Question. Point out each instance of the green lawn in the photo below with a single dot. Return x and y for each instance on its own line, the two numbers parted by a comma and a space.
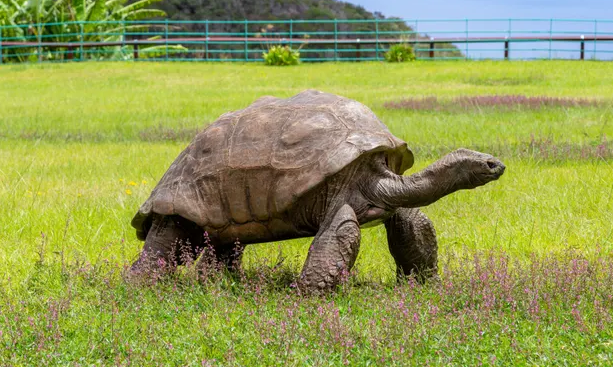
525, 261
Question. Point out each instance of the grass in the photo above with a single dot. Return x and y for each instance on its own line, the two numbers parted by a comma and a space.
525, 261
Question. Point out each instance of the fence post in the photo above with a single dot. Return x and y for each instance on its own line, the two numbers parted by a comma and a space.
166, 36
416, 30
506, 48
123, 34
335, 39
377, 37
507, 41
582, 48
81, 41
246, 35
1, 55
291, 31
466, 48
550, 36
135, 51
206, 42
595, 37
432, 48
40, 46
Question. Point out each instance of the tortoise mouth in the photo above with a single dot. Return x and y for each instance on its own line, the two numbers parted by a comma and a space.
496, 167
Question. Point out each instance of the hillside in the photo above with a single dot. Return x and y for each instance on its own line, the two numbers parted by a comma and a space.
264, 9
284, 10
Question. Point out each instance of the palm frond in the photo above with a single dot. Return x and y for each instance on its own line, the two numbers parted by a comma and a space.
145, 14
110, 4
136, 6
96, 11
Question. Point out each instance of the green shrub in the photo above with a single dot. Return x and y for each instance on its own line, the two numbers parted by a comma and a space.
400, 53
281, 56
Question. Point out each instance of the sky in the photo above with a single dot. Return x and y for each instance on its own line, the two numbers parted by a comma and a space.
454, 9
565, 10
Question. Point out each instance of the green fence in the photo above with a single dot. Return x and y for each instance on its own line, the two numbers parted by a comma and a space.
318, 40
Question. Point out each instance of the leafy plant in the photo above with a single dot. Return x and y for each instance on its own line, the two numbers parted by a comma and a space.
281, 56
68, 21
400, 53
278, 55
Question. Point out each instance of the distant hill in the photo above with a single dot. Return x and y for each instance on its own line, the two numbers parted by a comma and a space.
285, 10
264, 9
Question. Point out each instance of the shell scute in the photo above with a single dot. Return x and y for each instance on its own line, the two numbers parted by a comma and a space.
254, 136
306, 138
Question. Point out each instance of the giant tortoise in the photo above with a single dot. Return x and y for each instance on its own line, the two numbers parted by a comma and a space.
315, 164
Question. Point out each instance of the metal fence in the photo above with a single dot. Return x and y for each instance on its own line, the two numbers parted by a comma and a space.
318, 40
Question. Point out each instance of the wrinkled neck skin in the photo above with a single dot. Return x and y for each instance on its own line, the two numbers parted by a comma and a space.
420, 189
373, 191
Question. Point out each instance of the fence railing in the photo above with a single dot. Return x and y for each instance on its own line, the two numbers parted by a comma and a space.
319, 40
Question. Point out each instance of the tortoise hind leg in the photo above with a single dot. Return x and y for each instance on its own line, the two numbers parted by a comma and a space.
412, 241
172, 240
231, 256
226, 257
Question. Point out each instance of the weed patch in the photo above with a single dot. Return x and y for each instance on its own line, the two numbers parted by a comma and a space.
484, 301
489, 80
463, 103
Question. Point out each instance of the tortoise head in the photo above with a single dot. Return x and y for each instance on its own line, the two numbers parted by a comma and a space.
471, 169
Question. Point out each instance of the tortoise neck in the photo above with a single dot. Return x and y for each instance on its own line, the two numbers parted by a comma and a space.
420, 189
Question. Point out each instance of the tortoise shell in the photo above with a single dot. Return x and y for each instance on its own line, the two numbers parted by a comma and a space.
254, 163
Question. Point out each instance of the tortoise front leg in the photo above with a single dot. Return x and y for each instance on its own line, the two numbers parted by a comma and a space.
412, 241
333, 250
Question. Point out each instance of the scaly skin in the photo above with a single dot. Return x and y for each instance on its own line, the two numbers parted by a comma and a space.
315, 164
365, 192
393, 199
333, 251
